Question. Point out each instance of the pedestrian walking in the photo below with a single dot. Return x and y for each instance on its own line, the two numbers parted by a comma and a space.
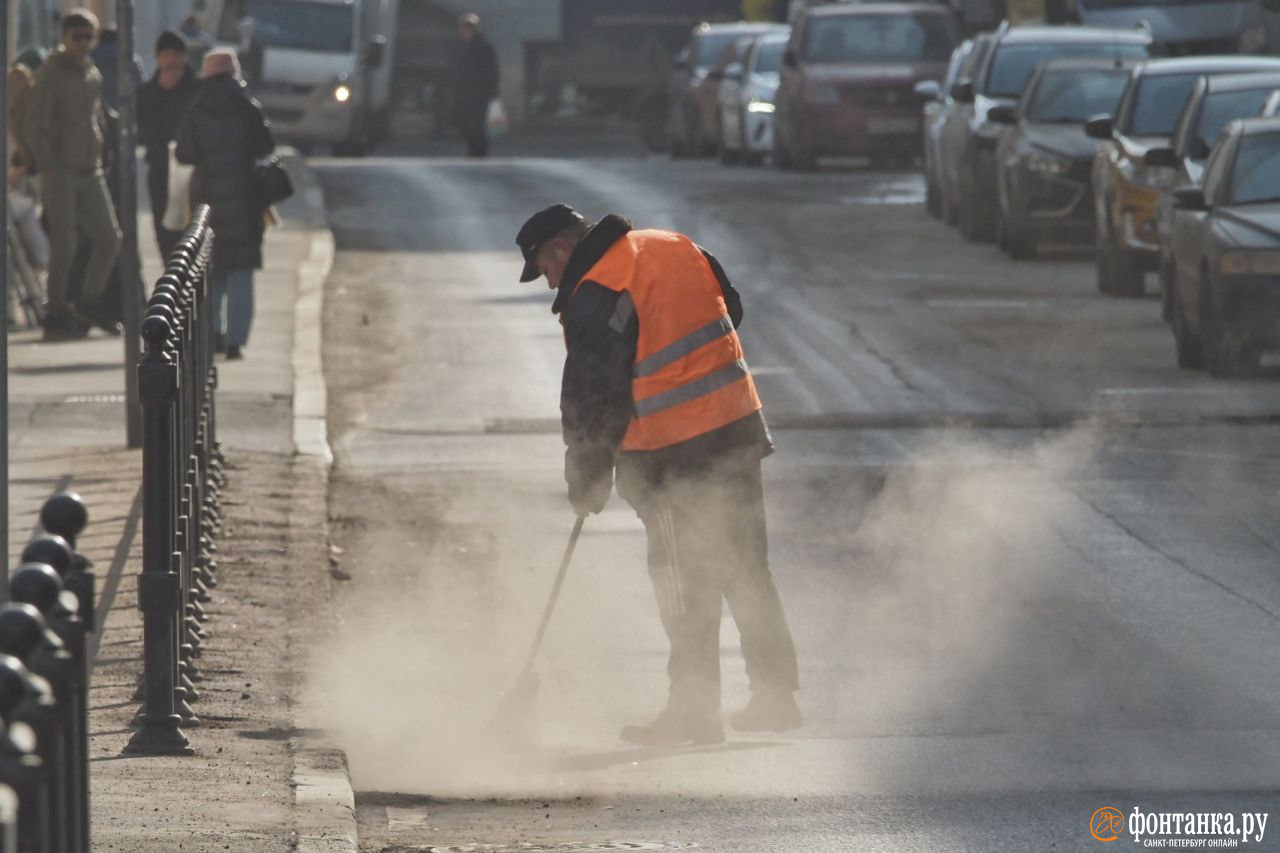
106, 56
199, 41
475, 84
222, 135
64, 127
656, 388
162, 101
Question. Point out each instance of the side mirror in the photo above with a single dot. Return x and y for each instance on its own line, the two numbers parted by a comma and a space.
1003, 114
1165, 158
962, 91
375, 52
928, 90
789, 58
1099, 127
1190, 198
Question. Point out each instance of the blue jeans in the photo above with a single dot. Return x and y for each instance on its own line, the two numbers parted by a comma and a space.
235, 288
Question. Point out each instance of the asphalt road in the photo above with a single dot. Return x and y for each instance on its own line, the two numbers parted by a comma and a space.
1031, 566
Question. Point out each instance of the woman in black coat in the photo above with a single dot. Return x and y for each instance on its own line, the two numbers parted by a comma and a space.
222, 135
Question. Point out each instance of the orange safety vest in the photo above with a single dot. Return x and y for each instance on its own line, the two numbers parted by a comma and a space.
689, 376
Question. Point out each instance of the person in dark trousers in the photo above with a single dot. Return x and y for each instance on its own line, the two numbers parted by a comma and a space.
64, 127
656, 388
222, 135
162, 101
475, 84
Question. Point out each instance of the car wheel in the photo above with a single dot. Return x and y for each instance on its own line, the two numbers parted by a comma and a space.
1019, 242
975, 220
932, 198
727, 157
1187, 344
781, 153
1226, 354
1124, 272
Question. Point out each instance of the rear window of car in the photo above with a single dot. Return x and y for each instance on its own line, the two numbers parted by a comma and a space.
1076, 94
769, 56
1222, 107
1012, 64
710, 46
1158, 104
880, 38
1256, 176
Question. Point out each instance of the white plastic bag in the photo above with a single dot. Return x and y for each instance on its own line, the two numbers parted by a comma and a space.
177, 212
496, 118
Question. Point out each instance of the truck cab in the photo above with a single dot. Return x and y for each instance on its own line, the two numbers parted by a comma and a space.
326, 70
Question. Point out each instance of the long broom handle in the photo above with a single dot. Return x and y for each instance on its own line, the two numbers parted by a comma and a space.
555, 593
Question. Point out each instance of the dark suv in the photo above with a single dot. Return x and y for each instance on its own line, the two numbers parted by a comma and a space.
1014, 54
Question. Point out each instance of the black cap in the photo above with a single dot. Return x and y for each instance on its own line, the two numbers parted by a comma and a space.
540, 228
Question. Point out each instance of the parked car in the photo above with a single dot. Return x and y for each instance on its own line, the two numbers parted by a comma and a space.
745, 129
694, 81
955, 127
1125, 189
1015, 52
1043, 162
938, 104
1214, 102
848, 79
1226, 241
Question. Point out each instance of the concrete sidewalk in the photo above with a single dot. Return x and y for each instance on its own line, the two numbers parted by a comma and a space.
256, 781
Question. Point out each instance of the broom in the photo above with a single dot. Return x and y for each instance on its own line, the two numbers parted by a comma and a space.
514, 719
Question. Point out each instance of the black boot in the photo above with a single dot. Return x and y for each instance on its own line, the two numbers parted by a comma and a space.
676, 728
770, 710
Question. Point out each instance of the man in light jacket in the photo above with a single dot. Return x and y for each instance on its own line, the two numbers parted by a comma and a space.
64, 130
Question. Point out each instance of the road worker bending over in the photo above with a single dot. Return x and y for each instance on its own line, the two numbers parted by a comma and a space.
655, 385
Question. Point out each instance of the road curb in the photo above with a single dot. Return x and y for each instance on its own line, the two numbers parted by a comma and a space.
324, 801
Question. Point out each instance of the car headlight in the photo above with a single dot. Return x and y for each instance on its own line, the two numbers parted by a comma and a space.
1045, 163
822, 93
757, 106
1250, 263
342, 93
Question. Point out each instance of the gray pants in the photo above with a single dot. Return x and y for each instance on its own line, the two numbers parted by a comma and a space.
76, 204
707, 544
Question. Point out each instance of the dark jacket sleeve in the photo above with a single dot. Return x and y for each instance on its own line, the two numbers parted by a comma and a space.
731, 298
595, 394
187, 149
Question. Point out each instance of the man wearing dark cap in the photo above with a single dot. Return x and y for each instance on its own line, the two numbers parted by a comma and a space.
161, 102
656, 388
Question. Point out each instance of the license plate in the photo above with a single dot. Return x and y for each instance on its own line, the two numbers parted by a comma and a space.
893, 125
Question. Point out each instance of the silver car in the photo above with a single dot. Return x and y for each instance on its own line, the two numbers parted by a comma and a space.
745, 128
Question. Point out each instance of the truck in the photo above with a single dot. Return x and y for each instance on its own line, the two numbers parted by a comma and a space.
617, 54
326, 69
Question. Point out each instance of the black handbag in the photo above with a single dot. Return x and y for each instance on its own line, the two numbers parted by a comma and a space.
274, 183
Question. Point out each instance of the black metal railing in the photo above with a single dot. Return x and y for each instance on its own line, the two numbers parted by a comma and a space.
44, 690
181, 478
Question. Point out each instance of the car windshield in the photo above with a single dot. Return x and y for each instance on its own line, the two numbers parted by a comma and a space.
1256, 176
769, 56
1159, 102
1012, 64
711, 45
1223, 107
1072, 95
322, 27
880, 38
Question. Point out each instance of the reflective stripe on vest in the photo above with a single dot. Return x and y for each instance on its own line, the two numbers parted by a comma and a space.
689, 377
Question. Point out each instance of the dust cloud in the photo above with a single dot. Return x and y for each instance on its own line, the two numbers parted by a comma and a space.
921, 607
